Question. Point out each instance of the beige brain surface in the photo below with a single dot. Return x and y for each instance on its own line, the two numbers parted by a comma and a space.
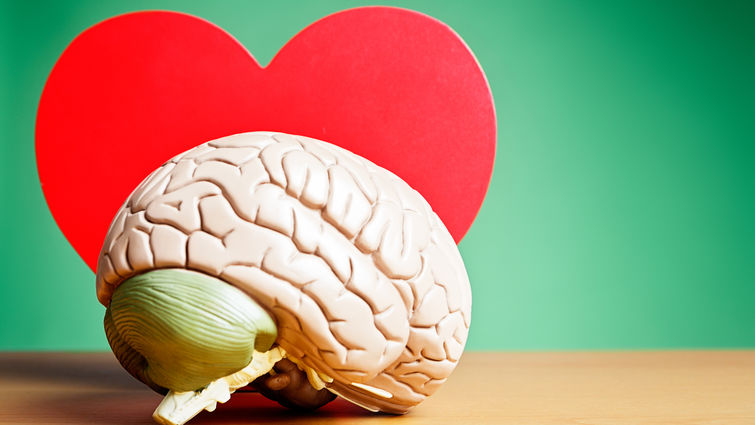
364, 281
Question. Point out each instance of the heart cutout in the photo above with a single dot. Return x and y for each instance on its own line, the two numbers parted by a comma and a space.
395, 86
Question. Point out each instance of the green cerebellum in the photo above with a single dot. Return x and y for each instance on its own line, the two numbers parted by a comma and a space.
180, 330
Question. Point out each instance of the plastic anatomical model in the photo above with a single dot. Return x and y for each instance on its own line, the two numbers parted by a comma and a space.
284, 263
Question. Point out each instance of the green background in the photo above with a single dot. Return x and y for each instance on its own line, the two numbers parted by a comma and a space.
621, 211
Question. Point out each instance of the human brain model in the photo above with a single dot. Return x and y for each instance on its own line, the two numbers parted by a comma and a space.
288, 263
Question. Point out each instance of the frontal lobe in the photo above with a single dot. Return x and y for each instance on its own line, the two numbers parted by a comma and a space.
365, 283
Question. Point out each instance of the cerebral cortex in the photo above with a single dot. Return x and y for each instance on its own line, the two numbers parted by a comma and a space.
366, 285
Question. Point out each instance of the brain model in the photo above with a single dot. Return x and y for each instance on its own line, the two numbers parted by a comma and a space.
286, 263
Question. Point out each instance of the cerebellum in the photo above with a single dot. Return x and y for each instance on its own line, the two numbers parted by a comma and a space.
185, 329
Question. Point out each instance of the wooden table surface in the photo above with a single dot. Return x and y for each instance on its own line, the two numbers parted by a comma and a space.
611, 388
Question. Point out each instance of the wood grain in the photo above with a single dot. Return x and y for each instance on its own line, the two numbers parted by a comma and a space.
607, 388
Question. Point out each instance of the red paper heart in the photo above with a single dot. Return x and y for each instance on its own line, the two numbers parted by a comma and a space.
395, 86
